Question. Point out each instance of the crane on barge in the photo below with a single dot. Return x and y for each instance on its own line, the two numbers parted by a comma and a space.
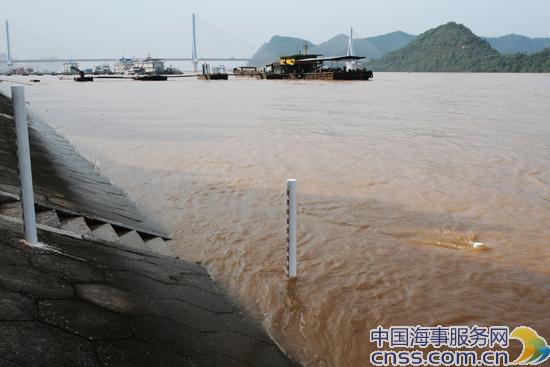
82, 76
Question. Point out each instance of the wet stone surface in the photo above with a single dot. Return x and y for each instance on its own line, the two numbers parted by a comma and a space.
34, 282
31, 343
83, 318
112, 298
90, 304
67, 267
15, 306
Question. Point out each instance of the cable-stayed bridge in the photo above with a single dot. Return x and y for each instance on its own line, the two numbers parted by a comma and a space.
106, 59
194, 58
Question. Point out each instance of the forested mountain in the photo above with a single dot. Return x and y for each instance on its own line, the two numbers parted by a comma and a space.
515, 43
455, 48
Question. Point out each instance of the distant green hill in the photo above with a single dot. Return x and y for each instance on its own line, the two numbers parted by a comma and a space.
454, 48
278, 46
391, 41
515, 43
523, 63
337, 45
451, 47
371, 47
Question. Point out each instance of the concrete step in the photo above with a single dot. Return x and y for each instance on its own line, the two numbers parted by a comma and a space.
76, 225
133, 240
11, 209
95, 230
158, 246
48, 217
106, 232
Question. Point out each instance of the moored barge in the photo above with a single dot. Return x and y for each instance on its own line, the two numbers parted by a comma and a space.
81, 77
213, 77
316, 67
217, 74
248, 72
150, 77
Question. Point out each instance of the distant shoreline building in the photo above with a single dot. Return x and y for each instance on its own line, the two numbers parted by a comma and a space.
104, 69
148, 65
123, 65
68, 67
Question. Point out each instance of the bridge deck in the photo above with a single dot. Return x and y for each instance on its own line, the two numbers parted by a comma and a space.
21, 61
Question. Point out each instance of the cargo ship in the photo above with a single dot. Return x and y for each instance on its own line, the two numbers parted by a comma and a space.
316, 67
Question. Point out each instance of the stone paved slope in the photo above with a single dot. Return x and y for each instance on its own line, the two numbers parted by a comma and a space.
93, 304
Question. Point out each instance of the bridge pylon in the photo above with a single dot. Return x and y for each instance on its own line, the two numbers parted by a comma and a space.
8, 46
194, 47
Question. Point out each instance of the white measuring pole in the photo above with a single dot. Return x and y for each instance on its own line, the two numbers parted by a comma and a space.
24, 158
291, 229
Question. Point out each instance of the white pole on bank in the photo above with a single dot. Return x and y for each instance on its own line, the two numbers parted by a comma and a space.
291, 229
24, 158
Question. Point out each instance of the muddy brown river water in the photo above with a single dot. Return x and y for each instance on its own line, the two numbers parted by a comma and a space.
397, 179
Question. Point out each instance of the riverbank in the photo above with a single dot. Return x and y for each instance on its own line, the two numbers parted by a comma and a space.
88, 304
95, 300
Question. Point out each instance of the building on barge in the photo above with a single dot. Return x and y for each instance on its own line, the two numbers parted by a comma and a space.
148, 66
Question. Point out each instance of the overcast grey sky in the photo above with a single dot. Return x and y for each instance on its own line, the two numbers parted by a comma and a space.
111, 28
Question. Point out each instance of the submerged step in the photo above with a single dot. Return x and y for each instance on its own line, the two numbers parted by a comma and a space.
48, 217
106, 232
76, 225
133, 240
158, 246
